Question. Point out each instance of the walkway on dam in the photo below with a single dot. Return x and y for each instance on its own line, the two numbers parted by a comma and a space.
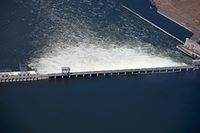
124, 72
65, 73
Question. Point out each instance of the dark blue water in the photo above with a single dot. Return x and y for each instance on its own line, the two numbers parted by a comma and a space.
154, 103
163, 22
167, 103
15, 25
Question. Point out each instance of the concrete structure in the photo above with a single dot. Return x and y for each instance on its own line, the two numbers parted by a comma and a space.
18, 76
66, 74
191, 48
65, 70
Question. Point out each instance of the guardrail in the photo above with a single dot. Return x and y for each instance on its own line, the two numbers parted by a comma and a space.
141, 71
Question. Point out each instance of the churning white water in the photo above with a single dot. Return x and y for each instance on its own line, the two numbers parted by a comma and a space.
92, 57
86, 56
83, 37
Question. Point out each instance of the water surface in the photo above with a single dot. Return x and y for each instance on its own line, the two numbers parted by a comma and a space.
92, 35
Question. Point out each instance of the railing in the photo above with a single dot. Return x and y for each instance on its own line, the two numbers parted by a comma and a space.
140, 71
124, 72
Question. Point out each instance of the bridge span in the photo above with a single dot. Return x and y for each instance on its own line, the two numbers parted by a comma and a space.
6, 77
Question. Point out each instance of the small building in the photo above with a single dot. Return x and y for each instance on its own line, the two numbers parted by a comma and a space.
18, 76
196, 63
191, 48
65, 70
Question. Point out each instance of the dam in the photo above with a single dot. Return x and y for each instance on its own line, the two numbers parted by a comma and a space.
65, 73
20, 76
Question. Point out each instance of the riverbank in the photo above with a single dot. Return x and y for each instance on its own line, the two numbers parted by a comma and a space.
184, 12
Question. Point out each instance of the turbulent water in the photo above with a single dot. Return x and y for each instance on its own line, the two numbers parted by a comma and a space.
90, 35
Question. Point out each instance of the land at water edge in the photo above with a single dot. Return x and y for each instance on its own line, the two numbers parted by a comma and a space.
185, 12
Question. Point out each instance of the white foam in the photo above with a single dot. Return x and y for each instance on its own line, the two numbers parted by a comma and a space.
94, 57
69, 36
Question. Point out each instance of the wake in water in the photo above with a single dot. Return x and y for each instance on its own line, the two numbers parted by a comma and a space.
88, 36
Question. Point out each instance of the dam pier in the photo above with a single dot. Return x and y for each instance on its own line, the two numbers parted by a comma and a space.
22, 76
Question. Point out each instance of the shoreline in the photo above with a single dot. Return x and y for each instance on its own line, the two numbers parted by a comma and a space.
154, 25
187, 23
181, 24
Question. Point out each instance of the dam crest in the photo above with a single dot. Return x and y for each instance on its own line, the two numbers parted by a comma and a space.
19, 76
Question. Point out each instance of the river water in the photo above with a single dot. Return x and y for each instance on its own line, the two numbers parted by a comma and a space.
93, 35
